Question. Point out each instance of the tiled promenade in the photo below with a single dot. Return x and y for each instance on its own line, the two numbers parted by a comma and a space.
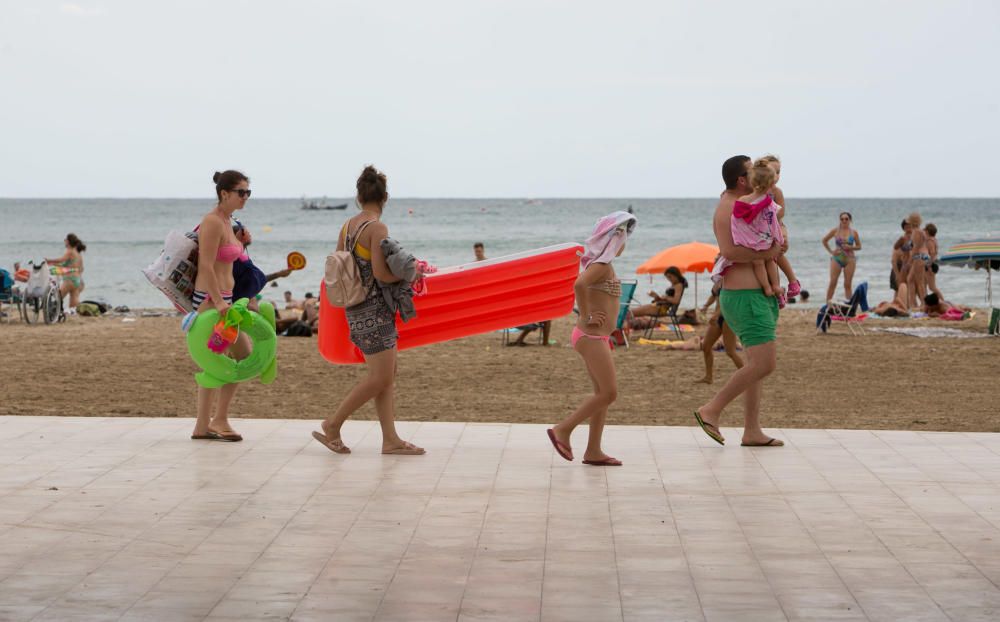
125, 518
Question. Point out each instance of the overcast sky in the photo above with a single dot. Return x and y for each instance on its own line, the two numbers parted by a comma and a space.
499, 98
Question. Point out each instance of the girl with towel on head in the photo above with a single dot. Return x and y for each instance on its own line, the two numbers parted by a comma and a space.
598, 292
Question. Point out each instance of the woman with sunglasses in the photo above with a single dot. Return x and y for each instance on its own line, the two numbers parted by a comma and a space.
218, 248
842, 257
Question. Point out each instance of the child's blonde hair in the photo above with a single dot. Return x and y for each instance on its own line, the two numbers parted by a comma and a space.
769, 158
762, 176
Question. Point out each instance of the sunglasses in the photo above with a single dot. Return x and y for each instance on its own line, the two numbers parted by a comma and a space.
243, 193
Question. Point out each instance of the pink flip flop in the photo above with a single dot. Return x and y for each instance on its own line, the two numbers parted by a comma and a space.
609, 461
561, 449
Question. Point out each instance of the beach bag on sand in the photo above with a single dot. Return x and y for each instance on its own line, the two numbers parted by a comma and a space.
174, 271
341, 278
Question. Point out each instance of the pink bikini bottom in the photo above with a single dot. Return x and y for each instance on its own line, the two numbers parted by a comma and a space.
577, 334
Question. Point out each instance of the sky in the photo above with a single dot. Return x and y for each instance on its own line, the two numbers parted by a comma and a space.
498, 98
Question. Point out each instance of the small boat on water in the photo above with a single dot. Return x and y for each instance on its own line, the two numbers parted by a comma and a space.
309, 204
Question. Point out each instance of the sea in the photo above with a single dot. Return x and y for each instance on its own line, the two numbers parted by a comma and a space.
125, 235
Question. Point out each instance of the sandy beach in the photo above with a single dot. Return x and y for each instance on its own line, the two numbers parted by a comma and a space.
104, 366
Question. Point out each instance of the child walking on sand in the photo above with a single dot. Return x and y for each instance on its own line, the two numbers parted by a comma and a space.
756, 225
597, 295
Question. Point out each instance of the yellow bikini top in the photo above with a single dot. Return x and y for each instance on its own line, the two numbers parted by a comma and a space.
363, 252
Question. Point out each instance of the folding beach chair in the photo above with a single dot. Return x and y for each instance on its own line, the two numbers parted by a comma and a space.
852, 313
506, 332
628, 291
671, 315
6, 295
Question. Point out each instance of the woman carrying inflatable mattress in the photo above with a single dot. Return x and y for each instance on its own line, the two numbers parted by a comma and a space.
218, 248
598, 291
372, 322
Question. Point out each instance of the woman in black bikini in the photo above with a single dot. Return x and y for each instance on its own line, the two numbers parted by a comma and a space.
662, 304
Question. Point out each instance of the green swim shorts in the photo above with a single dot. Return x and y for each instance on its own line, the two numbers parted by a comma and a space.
752, 315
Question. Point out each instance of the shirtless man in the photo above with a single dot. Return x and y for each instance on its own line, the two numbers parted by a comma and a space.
291, 303
752, 316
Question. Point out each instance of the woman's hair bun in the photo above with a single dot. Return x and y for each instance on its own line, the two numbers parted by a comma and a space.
215, 178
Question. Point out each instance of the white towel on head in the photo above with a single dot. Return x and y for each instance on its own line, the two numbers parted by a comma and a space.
609, 236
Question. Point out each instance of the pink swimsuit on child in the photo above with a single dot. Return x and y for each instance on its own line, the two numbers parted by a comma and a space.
754, 226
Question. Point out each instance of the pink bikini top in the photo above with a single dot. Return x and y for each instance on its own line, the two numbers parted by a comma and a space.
228, 253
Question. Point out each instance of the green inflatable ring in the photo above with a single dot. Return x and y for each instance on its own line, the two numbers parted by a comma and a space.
219, 369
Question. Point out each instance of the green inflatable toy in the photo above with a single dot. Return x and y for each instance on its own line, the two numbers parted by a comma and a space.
219, 369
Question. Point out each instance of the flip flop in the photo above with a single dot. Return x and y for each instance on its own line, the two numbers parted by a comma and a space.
211, 436
715, 436
230, 437
609, 461
408, 449
774, 442
337, 447
561, 449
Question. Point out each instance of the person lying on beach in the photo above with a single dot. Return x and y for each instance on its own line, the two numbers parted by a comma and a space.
597, 296
934, 306
897, 306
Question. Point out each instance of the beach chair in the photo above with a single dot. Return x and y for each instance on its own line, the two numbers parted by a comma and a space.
852, 313
628, 292
6, 295
671, 315
505, 333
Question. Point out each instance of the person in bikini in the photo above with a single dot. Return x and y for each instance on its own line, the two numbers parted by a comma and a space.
218, 248
842, 259
661, 305
895, 307
932, 269
920, 262
371, 322
598, 292
70, 268
901, 257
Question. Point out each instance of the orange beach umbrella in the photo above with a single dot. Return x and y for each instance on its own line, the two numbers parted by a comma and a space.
691, 257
